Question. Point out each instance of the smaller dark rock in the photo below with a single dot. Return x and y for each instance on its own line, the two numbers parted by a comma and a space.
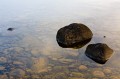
10, 29
104, 36
99, 52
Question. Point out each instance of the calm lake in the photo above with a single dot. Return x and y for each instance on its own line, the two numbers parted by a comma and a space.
30, 51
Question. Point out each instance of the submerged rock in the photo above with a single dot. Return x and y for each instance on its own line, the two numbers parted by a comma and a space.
18, 63
99, 52
3, 60
98, 74
59, 75
39, 65
115, 77
77, 74
94, 78
74, 36
17, 72
2, 68
3, 76
83, 67
75, 78
107, 71
65, 61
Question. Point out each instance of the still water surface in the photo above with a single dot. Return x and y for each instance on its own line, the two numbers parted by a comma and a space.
31, 51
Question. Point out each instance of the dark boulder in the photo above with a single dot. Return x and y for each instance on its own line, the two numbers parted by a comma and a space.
99, 52
74, 36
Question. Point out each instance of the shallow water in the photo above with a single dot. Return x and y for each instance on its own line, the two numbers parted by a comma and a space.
31, 51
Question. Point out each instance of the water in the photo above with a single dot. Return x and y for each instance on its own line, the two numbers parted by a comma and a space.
31, 51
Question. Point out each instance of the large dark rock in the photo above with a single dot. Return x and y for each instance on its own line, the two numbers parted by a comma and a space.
99, 52
74, 36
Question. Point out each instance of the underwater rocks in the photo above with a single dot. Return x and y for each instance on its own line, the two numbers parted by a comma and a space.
17, 72
75, 78
2, 68
99, 52
3, 60
77, 74
39, 65
75, 35
107, 71
83, 67
3, 76
98, 74
65, 61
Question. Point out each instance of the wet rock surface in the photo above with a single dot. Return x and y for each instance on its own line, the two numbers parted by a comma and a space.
99, 52
74, 36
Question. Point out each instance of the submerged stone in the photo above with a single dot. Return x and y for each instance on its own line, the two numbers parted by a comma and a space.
39, 65
17, 72
75, 78
75, 35
65, 61
3, 76
3, 60
98, 74
99, 52
114, 77
107, 71
2, 68
83, 67
77, 74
